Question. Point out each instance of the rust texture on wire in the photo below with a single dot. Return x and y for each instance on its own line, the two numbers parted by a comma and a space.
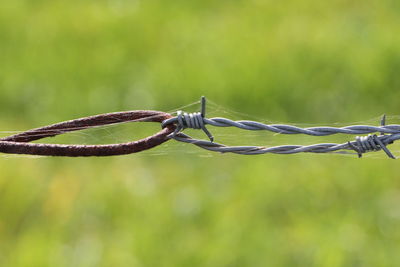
19, 143
172, 128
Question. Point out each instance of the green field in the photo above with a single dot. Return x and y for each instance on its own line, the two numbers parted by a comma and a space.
315, 62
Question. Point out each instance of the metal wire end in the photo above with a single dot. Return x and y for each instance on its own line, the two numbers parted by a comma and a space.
387, 151
193, 120
203, 115
352, 146
384, 148
383, 122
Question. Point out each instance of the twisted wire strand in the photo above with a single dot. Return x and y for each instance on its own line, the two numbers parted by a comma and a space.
361, 145
290, 129
197, 120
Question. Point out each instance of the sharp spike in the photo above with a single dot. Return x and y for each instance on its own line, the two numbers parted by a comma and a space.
383, 120
203, 106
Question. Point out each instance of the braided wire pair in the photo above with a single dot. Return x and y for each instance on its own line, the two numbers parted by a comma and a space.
361, 145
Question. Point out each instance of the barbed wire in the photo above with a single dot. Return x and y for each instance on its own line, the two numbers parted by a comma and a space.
173, 128
363, 144
369, 143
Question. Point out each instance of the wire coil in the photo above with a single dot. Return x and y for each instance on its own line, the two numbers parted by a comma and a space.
364, 144
184, 120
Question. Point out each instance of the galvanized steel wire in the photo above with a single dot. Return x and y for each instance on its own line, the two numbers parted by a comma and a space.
362, 144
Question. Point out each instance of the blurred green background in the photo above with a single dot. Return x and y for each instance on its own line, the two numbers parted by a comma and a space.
291, 61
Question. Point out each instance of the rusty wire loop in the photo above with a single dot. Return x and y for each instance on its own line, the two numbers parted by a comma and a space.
19, 143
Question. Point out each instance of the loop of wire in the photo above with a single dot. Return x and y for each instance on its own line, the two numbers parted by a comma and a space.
19, 143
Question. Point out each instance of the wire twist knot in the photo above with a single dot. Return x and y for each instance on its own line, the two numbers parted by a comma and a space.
195, 120
364, 144
190, 120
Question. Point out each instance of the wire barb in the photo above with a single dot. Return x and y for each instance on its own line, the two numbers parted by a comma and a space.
369, 143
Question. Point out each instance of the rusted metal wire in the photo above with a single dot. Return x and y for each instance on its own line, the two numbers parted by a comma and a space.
18, 144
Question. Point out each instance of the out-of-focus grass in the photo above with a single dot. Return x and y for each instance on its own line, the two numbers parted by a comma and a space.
297, 61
